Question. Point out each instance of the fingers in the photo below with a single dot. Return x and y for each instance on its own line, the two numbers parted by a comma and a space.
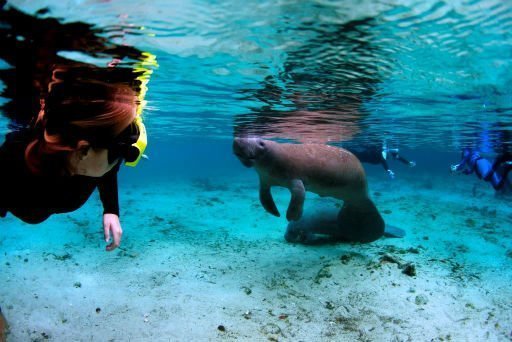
116, 234
106, 232
112, 229
111, 247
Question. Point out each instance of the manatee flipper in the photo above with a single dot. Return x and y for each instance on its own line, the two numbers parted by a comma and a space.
360, 221
266, 199
296, 205
393, 232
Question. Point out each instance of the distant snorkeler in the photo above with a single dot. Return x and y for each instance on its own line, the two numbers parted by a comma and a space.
375, 154
72, 122
495, 173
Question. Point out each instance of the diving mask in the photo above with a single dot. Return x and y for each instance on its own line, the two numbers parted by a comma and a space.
130, 144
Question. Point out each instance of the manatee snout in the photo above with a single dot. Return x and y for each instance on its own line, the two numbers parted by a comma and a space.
248, 150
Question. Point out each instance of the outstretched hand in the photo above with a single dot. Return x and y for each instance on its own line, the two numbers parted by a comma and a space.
112, 228
391, 174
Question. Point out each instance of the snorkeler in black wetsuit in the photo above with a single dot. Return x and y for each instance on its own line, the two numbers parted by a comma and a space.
67, 117
374, 154
34, 198
495, 173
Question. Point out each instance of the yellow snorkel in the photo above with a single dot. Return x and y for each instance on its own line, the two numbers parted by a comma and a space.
140, 145
142, 67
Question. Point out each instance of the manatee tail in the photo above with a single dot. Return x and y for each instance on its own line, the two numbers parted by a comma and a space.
360, 221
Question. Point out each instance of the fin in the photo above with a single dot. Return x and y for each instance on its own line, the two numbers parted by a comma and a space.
360, 222
267, 201
393, 232
296, 205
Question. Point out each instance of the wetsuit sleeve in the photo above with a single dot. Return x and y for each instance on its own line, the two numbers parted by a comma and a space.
400, 158
462, 166
384, 164
465, 165
107, 186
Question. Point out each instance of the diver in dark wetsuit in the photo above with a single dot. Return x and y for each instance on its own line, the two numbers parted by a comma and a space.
72, 123
76, 144
495, 173
34, 197
378, 155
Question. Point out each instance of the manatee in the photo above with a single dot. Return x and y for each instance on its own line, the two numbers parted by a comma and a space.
328, 171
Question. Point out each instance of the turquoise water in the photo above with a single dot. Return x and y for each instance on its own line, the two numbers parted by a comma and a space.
199, 251
431, 74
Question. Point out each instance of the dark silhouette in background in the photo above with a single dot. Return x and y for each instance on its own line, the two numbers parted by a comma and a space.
495, 172
379, 155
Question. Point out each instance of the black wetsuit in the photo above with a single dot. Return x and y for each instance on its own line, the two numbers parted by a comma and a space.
33, 198
373, 155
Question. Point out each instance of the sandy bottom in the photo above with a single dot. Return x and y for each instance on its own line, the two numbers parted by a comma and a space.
202, 261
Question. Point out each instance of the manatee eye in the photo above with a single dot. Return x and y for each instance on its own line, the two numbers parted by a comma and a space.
261, 143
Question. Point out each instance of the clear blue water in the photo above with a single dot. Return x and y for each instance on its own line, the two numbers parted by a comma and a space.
419, 73
428, 77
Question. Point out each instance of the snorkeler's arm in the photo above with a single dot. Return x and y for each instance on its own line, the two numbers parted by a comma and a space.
402, 159
107, 187
384, 164
461, 166
465, 161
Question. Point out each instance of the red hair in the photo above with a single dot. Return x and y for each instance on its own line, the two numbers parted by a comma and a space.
77, 110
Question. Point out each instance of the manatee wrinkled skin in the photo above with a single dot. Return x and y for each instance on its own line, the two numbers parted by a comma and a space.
325, 170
